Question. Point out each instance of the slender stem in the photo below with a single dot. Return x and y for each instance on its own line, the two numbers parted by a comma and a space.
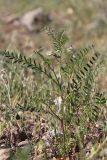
51, 68
53, 112
55, 75
64, 136
51, 78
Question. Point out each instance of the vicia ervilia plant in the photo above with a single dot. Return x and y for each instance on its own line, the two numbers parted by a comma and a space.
67, 91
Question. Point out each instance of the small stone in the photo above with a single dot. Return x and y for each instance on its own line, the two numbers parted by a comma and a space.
34, 20
4, 153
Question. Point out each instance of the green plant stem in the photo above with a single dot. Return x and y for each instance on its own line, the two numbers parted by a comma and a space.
52, 112
80, 143
64, 136
56, 77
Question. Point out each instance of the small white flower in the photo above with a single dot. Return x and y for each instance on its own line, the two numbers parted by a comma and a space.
58, 102
20, 113
48, 52
59, 76
74, 56
70, 47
